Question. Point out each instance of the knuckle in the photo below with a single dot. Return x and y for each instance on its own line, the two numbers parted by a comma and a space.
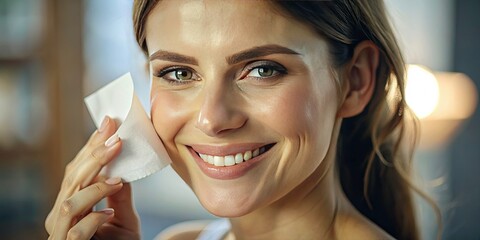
74, 234
48, 223
69, 167
70, 176
68, 180
98, 189
97, 155
67, 208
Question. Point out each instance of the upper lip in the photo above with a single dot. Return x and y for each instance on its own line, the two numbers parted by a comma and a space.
225, 150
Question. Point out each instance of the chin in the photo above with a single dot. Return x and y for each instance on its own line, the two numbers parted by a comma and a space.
226, 204
226, 212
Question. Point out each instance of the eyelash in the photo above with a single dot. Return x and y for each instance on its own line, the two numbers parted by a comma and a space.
161, 74
278, 69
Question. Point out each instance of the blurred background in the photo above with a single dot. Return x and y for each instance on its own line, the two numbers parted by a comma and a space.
53, 53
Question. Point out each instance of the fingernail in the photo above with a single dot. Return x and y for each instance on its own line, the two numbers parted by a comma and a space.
104, 124
113, 181
108, 211
112, 140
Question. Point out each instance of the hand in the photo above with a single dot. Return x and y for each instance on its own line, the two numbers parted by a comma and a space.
72, 217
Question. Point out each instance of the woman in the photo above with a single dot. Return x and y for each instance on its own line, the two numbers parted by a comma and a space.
277, 119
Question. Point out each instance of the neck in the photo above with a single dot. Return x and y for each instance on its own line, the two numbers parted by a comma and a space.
307, 212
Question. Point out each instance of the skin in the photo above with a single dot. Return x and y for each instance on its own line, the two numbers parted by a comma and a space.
294, 191
72, 217
221, 109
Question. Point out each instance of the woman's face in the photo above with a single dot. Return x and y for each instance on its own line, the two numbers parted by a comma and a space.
235, 83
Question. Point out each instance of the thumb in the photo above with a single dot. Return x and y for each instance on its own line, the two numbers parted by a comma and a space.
125, 214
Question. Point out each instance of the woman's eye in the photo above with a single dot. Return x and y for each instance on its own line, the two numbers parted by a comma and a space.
183, 74
262, 72
177, 75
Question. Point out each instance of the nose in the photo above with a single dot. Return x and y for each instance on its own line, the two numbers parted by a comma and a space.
219, 113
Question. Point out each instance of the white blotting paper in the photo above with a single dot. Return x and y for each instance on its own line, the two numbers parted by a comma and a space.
142, 150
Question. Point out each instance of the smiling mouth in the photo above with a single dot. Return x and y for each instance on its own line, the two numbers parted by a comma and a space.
234, 159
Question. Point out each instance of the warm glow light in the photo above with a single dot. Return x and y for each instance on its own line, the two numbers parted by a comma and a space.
458, 96
421, 91
442, 101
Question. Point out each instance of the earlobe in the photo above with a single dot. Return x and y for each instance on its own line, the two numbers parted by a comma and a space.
359, 77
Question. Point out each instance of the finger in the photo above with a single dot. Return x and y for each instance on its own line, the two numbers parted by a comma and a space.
82, 202
96, 160
106, 129
88, 170
87, 227
83, 176
97, 139
74, 180
125, 214
49, 222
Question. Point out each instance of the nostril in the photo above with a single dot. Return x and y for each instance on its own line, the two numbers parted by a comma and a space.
214, 129
219, 114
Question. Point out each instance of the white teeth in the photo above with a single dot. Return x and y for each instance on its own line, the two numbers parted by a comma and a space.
255, 152
210, 159
231, 160
218, 161
238, 158
247, 155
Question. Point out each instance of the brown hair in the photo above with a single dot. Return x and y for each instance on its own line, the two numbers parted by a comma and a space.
374, 172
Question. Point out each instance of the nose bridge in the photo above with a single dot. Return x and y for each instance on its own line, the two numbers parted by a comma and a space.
219, 111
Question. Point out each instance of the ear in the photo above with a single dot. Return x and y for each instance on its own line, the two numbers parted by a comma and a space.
359, 79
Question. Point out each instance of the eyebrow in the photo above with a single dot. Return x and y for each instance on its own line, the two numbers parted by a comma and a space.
259, 51
173, 57
251, 53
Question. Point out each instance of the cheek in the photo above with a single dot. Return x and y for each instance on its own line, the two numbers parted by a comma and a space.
302, 111
169, 115
304, 116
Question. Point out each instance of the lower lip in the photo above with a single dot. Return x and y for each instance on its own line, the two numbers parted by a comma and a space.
227, 172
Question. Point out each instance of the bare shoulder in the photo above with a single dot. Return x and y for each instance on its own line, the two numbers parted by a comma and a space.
358, 227
183, 231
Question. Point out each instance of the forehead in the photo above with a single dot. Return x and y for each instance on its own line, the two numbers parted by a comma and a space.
226, 26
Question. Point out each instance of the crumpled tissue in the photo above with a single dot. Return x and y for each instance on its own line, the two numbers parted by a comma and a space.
142, 150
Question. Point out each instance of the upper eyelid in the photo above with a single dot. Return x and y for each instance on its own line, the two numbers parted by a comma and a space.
247, 67
279, 68
261, 63
163, 71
